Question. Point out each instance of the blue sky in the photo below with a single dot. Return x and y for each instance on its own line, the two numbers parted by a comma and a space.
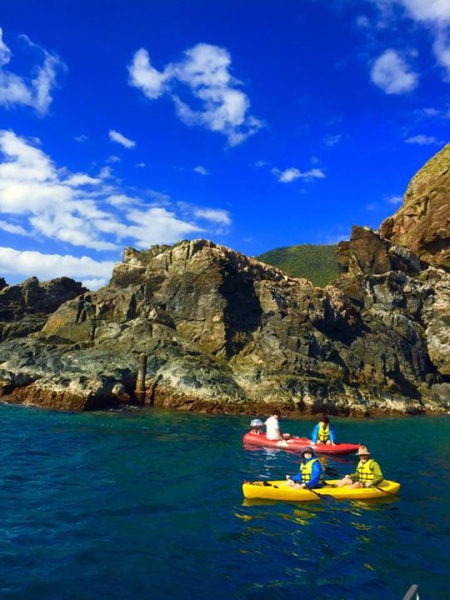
256, 124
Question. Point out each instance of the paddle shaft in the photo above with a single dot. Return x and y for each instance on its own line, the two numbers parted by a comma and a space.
266, 483
386, 492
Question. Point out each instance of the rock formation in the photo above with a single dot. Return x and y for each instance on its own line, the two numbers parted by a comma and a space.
24, 308
226, 333
423, 222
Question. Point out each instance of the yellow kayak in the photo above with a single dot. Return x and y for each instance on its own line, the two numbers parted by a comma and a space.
280, 490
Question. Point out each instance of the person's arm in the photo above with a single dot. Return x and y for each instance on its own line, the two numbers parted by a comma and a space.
377, 474
315, 434
316, 472
354, 476
297, 478
332, 435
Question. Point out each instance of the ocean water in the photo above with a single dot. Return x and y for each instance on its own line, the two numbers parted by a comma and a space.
148, 505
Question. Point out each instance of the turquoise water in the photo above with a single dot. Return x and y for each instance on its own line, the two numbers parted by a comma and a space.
135, 505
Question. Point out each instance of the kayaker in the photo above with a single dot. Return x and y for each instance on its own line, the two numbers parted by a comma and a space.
310, 474
273, 427
323, 432
367, 474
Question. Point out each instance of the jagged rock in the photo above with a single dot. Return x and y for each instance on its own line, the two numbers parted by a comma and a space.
223, 332
24, 308
422, 224
368, 253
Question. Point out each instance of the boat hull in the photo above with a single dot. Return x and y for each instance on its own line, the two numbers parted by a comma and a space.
295, 444
281, 491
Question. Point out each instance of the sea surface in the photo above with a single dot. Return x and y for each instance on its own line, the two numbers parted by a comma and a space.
147, 504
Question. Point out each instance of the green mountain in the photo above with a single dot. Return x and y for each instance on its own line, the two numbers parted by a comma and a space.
316, 263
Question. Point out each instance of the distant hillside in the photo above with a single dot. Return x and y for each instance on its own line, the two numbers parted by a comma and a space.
316, 263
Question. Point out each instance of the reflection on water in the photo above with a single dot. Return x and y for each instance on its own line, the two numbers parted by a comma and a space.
113, 505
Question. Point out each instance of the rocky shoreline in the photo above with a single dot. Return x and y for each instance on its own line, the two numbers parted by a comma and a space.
222, 333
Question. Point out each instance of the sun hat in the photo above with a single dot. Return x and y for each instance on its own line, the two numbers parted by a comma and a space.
363, 450
306, 449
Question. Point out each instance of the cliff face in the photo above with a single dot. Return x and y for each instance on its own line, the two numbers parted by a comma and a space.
24, 308
223, 332
423, 222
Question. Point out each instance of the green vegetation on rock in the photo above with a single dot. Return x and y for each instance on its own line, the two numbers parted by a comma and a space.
316, 263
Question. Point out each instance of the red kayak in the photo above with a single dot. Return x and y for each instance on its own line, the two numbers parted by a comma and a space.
294, 444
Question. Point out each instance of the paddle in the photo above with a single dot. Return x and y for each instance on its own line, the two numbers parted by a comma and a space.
326, 498
333, 473
386, 492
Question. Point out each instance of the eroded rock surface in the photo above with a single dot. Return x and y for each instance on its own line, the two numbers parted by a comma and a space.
422, 224
223, 332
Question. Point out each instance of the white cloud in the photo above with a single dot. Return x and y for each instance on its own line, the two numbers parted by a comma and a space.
429, 112
395, 200
433, 15
362, 21
11, 228
391, 73
41, 201
115, 136
215, 102
151, 226
289, 175
441, 49
34, 92
201, 170
79, 179
332, 140
214, 215
434, 11
422, 140
50, 266
145, 77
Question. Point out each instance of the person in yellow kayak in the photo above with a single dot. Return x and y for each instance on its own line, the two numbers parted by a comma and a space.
323, 432
310, 474
367, 474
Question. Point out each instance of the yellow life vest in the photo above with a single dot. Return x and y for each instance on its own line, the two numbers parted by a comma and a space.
306, 470
324, 433
364, 471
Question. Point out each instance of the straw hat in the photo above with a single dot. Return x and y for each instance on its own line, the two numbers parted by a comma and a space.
363, 450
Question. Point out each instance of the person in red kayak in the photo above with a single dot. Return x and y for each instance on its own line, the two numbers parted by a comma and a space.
323, 432
367, 474
273, 427
310, 474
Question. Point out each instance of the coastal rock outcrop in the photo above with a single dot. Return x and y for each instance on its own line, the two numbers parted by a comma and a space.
24, 308
422, 223
221, 332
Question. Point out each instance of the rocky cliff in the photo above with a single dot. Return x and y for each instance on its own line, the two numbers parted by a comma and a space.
25, 308
423, 222
221, 332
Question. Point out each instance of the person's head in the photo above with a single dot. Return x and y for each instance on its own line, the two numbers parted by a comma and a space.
276, 413
325, 419
363, 453
307, 453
